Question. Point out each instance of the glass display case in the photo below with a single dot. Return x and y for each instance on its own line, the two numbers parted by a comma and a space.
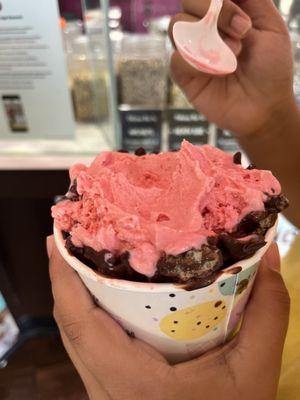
94, 87
72, 88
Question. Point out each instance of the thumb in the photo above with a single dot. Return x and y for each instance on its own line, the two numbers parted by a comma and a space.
263, 13
266, 319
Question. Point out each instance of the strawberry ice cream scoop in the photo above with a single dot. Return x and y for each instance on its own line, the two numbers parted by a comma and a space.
158, 207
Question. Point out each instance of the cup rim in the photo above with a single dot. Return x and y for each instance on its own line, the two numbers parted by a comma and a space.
87, 272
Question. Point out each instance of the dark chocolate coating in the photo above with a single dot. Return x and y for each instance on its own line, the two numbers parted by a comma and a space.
104, 262
276, 204
197, 267
194, 264
236, 249
255, 222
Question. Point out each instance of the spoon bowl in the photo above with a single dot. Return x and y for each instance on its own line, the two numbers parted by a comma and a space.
201, 45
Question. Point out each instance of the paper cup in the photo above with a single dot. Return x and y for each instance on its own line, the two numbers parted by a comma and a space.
180, 324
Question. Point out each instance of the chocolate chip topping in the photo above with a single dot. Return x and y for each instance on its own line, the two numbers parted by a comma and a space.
140, 152
251, 166
237, 158
65, 234
194, 264
276, 204
72, 194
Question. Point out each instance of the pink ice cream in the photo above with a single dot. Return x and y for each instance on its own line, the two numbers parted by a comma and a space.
170, 202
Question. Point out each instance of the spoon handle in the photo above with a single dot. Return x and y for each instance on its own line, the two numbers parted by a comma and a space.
214, 10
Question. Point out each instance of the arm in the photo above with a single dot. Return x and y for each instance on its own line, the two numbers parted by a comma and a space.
276, 146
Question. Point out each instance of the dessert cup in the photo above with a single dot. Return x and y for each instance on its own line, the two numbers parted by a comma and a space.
181, 324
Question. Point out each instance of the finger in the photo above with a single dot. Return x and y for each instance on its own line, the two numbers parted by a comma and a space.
264, 14
96, 337
68, 290
234, 44
267, 314
233, 20
92, 386
184, 75
74, 309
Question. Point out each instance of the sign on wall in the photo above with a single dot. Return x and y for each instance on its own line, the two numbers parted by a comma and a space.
34, 95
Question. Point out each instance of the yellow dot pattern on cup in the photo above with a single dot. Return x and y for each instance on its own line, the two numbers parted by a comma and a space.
194, 322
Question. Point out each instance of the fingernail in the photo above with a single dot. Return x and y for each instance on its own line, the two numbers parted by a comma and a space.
240, 25
272, 258
49, 245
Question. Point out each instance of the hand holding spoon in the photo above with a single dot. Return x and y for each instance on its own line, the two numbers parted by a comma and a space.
201, 45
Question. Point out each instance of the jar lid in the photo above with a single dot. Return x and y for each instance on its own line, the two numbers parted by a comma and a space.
143, 45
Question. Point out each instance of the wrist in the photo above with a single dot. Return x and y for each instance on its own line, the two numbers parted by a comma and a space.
282, 121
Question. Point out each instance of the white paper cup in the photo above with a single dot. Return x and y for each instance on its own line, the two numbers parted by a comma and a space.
180, 324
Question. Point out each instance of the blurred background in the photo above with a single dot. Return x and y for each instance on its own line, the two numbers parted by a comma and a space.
76, 78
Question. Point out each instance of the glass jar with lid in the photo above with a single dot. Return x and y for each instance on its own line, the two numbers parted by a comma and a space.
143, 71
89, 81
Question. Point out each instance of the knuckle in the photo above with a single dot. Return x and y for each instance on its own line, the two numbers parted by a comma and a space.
226, 15
278, 291
282, 296
229, 10
73, 331
72, 328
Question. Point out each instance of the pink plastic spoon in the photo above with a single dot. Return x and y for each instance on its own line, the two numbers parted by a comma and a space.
200, 44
